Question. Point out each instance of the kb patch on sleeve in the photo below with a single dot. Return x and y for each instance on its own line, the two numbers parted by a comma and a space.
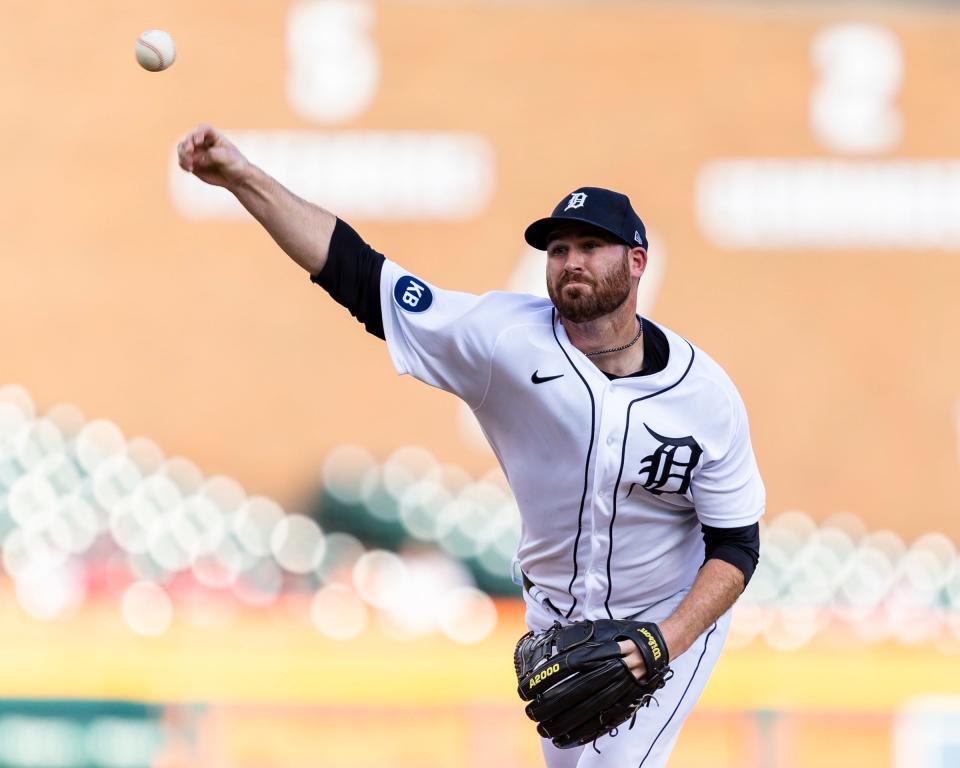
412, 295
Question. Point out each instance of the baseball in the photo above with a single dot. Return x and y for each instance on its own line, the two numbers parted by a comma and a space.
155, 50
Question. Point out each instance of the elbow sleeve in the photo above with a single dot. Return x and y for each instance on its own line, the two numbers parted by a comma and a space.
738, 546
351, 275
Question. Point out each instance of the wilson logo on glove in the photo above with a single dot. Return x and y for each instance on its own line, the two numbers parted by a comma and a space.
651, 641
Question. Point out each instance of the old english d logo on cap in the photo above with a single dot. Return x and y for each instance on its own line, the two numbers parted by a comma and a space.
577, 199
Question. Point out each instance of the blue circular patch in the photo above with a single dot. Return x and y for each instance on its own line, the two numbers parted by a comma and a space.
412, 295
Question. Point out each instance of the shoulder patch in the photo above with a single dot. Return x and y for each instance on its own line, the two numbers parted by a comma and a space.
412, 295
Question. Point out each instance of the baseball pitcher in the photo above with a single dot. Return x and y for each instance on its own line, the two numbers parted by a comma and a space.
626, 446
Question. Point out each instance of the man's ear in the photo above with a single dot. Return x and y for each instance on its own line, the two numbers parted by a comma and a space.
638, 261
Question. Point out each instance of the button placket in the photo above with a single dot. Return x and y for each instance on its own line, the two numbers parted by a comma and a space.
605, 471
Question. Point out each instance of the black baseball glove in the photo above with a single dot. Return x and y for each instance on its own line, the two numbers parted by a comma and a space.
578, 685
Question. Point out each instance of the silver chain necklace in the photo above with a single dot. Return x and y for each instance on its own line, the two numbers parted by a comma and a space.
625, 346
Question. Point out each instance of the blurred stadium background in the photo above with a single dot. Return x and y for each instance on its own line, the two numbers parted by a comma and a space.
231, 537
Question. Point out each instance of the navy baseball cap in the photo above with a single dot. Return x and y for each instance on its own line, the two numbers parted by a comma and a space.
603, 208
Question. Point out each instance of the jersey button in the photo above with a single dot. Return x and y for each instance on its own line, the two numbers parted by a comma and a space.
611, 440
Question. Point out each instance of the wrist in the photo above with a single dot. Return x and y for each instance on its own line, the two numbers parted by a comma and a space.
246, 177
675, 637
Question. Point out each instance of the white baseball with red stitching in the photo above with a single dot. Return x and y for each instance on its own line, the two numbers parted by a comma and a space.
155, 50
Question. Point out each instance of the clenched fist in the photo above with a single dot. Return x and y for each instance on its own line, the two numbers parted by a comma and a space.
208, 155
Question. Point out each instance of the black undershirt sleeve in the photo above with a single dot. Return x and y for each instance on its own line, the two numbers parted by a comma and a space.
351, 275
738, 546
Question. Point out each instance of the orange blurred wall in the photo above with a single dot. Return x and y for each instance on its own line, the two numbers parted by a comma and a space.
194, 331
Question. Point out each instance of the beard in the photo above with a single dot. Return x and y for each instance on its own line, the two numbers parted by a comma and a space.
580, 304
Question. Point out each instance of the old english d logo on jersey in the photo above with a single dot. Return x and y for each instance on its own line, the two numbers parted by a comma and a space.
669, 469
412, 295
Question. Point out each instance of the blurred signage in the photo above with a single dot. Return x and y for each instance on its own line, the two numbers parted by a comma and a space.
771, 203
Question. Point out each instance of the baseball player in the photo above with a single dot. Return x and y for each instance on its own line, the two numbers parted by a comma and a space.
626, 446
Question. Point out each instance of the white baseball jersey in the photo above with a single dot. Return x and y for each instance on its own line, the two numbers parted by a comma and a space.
612, 478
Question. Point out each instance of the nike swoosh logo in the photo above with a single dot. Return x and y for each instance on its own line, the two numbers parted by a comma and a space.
540, 379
